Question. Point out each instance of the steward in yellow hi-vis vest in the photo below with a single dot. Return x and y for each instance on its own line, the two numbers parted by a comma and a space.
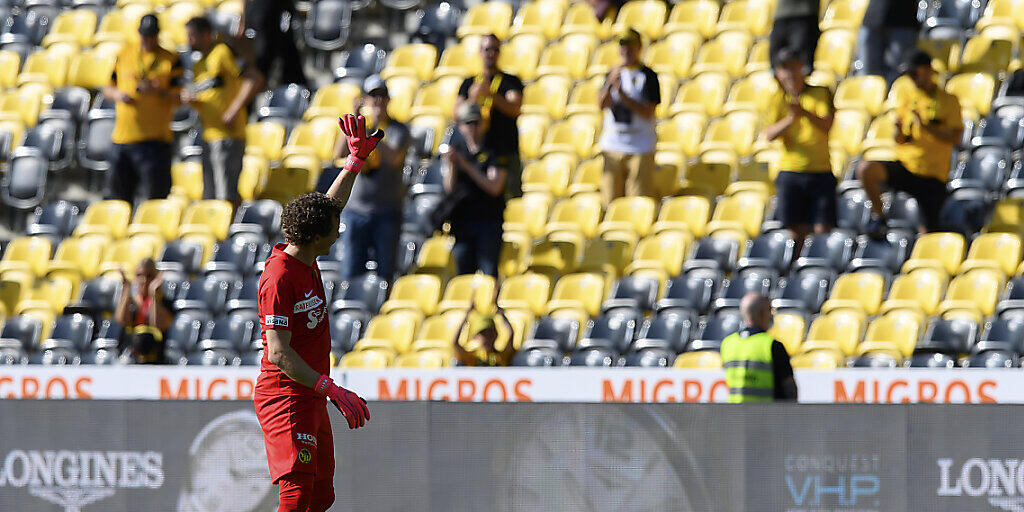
756, 366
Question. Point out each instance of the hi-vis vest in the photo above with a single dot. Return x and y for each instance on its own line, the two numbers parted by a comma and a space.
748, 367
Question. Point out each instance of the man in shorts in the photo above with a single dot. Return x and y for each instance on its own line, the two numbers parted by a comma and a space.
294, 380
801, 116
928, 127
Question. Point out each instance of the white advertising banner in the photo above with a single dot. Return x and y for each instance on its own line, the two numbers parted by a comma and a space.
515, 384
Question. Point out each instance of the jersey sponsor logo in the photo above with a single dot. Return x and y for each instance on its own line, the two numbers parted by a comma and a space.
308, 304
309, 439
304, 456
276, 320
309, 293
316, 316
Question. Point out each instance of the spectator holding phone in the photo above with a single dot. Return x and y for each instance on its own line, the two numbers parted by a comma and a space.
144, 312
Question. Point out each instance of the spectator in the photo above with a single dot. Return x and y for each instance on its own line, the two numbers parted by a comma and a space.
499, 96
372, 216
801, 117
928, 127
796, 28
273, 41
889, 31
483, 333
475, 183
145, 86
629, 97
145, 313
757, 367
220, 91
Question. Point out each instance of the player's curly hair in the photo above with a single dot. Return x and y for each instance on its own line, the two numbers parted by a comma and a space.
308, 216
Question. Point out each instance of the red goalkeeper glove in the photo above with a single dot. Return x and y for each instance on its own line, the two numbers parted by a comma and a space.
351, 405
360, 145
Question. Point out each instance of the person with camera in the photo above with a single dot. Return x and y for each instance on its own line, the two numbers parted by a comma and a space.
928, 125
145, 86
145, 313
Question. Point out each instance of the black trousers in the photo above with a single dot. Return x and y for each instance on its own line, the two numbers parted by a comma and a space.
271, 43
142, 169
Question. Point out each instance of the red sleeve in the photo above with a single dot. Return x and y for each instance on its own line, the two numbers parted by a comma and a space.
277, 305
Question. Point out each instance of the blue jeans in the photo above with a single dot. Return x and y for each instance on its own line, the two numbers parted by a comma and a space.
477, 246
882, 49
376, 232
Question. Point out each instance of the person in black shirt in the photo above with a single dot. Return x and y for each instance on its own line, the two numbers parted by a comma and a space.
888, 34
499, 96
272, 41
475, 183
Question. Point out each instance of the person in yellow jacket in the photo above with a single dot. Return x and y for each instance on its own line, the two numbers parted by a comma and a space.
757, 366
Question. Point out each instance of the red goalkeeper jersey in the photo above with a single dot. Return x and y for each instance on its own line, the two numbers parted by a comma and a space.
291, 298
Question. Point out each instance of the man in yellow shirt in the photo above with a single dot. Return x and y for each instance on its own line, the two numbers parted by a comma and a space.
144, 86
222, 87
801, 117
928, 127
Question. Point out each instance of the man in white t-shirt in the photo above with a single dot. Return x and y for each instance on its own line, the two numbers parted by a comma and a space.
629, 97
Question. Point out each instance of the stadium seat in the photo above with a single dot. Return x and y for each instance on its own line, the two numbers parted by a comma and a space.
538, 353
742, 212
402, 90
753, 92
579, 214
187, 180
207, 294
435, 257
804, 292
415, 59
704, 94
364, 293
699, 360
562, 332
630, 214
158, 217
528, 292
526, 215
108, 219
76, 257
391, 331
818, 356
842, 329
671, 59
565, 59
833, 250
540, 18
663, 252
861, 93
773, 251
688, 213
990, 52
753, 17
553, 258
603, 59
992, 359
48, 67
732, 135
997, 251
547, 176
207, 217
667, 330
645, 16
486, 18
617, 330
588, 177
698, 16
593, 353
632, 295
882, 256
941, 251
28, 254
1001, 334
415, 292
547, 96
459, 61
438, 332
20, 331
891, 333
975, 92
369, 359
583, 99
948, 337
972, 295
834, 54
762, 281
436, 98
712, 331
608, 256
858, 291
332, 101
789, 329
480, 288
682, 134
580, 19
578, 292
520, 56
714, 253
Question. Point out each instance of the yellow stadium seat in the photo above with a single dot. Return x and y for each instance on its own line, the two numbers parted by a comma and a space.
10, 64
789, 329
437, 98
106, 218
972, 295
918, 291
1000, 13
391, 331
671, 58
547, 96
439, 331
460, 60
91, 70
842, 329
265, 139
733, 134
46, 67
818, 356
423, 359
579, 214
581, 292
879, 143
752, 17
848, 129
571, 136
580, 19
415, 60
985, 53
486, 18
891, 333
479, 287
863, 93
210, 216
120, 25
698, 16
158, 217
284, 183
583, 99
631, 214
527, 215
77, 257
49, 295
125, 254
45, 317
942, 251
998, 251
540, 18
310, 144
75, 26
528, 292
703, 94
753, 93
588, 176
603, 59
664, 251
520, 56
834, 52
741, 212
547, 176
515, 250
843, 14
402, 90
564, 59
333, 100
172, 23
689, 213
551, 258
416, 292
645, 16
1008, 217
699, 359
859, 291
609, 255
435, 257
682, 134
255, 169
726, 53
759, 59
13, 289
368, 359
28, 254
187, 180
24, 104
531, 134
975, 91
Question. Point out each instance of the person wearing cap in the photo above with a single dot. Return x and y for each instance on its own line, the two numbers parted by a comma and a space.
474, 180
373, 214
801, 116
480, 349
144, 86
222, 87
499, 96
928, 125
629, 97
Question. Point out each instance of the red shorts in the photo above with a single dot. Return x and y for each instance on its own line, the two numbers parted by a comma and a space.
297, 434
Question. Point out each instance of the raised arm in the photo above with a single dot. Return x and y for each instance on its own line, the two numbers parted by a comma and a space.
359, 145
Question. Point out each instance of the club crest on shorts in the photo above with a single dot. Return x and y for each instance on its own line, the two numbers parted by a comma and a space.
304, 456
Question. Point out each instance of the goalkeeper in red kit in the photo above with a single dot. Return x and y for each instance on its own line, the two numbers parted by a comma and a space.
294, 380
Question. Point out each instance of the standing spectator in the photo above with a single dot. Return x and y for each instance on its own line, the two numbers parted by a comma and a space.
757, 367
483, 333
796, 28
801, 116
499, 96
629, 98
475, 183
144, 312
373, 214
273, 41
889, 31
222, 87
145, 84
928, 127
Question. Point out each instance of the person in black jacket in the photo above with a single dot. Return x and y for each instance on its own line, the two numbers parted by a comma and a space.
888, 34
